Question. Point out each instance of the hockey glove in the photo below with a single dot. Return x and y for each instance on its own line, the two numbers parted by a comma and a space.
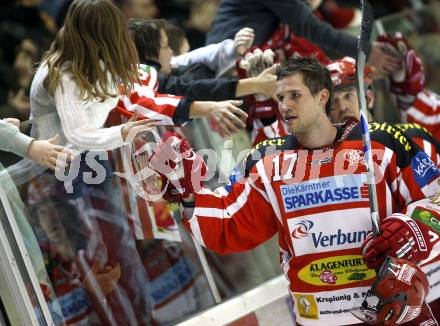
401, 237
181, 169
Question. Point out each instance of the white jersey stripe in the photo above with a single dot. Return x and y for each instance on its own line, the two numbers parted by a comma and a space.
230, 210
389, 200
404, 191
427, 147
195, 228
269, 189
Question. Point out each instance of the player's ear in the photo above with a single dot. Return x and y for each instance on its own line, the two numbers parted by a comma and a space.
370, 98
324, 97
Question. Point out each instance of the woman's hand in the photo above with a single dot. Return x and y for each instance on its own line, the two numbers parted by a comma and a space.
133, 127
46, 153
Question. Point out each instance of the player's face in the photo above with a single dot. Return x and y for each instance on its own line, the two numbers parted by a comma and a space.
301, 110
344, 105
165, 53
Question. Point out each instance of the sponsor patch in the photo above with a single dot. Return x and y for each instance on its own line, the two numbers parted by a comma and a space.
328, 277
307, 306
268, 142
395, 132
330, 190
427, 218
329, 231
302, 229
337, 270
171, 282
424, 169
434, 201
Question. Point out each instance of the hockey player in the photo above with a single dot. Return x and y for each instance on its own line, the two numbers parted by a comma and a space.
309, 188
345, 104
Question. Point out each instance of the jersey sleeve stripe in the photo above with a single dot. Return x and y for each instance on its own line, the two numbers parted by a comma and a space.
269, 190
195, 230
230, 210
427, 147
404, 191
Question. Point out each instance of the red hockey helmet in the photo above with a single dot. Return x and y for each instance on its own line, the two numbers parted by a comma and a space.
396, 296
343, 73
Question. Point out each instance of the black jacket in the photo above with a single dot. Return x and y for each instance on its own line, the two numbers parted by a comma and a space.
198, 83
264, 16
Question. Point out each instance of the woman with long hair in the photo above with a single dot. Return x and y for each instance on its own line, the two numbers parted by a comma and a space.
78, 78
77, 84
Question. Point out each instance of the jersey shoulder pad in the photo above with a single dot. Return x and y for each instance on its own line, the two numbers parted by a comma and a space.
414, 129
390, 135
395, 139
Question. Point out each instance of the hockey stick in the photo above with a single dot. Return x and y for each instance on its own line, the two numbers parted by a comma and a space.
361, 56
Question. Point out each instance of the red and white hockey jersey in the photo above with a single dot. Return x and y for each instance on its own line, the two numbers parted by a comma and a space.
317, 201
424, 110
422, 137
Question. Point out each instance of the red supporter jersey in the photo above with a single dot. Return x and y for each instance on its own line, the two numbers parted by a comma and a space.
425, 111
317, 201
146, 101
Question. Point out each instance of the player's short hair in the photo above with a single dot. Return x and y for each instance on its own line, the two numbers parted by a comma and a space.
316, 76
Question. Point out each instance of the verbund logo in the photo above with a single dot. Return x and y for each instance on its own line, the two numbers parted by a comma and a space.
302, 229
329, 231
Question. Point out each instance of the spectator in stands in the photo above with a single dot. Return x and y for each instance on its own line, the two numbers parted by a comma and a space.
177, 40
152, 45
221, 57
264, 16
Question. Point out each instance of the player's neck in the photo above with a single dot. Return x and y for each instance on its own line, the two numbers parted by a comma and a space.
322, 134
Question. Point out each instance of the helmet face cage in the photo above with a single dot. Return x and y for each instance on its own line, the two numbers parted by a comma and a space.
396, 296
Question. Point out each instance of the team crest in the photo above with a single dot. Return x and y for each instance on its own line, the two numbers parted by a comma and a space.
355, 156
